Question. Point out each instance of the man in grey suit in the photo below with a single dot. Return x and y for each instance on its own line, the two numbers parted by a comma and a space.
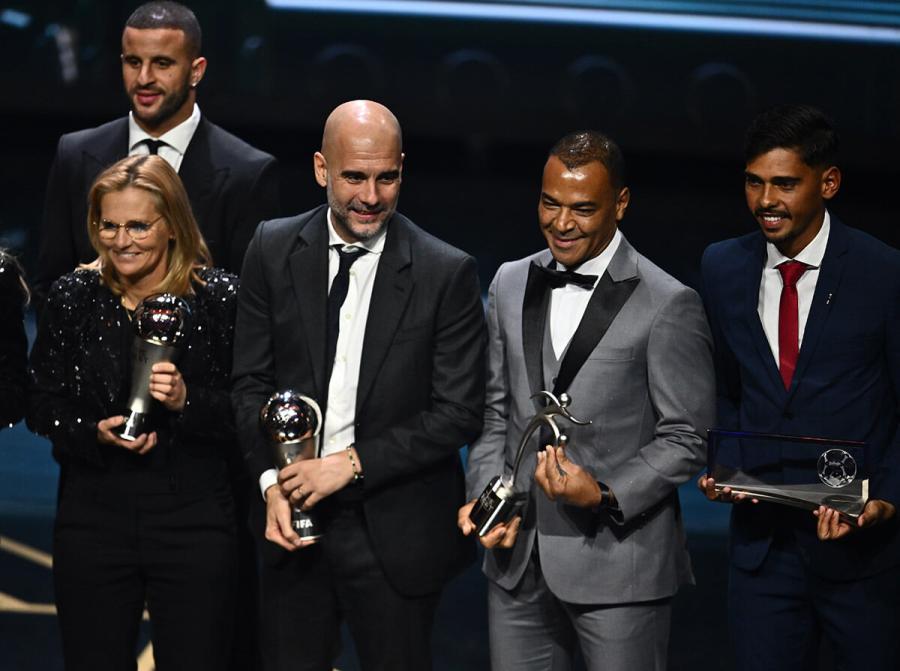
599, 549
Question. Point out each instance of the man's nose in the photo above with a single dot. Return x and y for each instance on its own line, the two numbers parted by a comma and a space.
369, 192
768, 197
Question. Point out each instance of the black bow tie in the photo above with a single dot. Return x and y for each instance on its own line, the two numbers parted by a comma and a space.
556, 279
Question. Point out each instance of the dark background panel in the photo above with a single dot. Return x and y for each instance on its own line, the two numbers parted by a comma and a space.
480, 102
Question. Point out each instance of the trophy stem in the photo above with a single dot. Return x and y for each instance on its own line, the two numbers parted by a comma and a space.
533, 426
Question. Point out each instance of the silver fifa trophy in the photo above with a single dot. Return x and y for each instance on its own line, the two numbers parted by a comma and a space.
161, 325
500, 500
292, 423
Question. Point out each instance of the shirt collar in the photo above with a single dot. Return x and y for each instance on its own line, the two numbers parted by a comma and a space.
373, 245
178, 138
811, 255
597, 265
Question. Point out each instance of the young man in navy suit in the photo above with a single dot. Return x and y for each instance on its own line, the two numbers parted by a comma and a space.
805, 316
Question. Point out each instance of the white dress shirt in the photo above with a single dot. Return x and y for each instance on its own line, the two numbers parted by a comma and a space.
771, 284
176, 140
340, 416
568, 303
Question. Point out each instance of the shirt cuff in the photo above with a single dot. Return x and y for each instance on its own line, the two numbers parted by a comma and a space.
266, 480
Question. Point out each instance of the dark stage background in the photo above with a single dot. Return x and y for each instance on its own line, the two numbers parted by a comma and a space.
481, 98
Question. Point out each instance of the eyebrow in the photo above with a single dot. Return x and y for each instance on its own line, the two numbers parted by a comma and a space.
574, 206
104, 220
358, 174
777, 181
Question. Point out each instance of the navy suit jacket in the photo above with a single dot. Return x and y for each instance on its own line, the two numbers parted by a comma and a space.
231, 185
845, 386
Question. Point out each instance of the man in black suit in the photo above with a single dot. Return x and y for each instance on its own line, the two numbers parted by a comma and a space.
232, 186
400, 376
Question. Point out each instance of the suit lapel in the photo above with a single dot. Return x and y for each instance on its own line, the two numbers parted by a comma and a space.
202, 180
102, 153
829, 280
309, 277
535, 305
605, 303
390, 295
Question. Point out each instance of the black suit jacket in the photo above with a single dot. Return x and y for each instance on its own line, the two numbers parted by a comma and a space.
421, 384
231, 185
846, 385
80, 373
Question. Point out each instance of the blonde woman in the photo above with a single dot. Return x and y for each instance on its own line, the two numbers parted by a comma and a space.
148, 522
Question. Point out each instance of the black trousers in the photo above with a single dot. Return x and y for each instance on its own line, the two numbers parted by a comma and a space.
115, 552
306, 597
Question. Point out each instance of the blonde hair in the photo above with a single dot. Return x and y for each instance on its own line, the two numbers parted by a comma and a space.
187, 250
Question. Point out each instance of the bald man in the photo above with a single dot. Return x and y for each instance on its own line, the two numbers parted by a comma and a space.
354, 305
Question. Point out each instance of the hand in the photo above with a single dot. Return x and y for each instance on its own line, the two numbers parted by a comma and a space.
278, 521
311, 480
831, 527
708, 486
167, 386
142, 444
562, 479
502, 535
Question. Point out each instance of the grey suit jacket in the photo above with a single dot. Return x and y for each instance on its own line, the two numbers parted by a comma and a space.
649, 389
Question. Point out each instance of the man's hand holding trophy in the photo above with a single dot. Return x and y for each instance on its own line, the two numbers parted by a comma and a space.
496, 515
292, 423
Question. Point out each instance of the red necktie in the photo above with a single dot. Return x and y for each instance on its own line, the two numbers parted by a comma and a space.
788, 320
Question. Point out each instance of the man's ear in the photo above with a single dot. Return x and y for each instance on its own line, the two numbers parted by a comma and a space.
198, 69
622, 201
320, 168
831, 182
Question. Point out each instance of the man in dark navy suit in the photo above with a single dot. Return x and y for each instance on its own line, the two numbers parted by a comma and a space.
806, 320
231, 185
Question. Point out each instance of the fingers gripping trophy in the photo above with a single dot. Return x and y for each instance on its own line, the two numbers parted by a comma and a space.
161, 324
500, 500
292, 423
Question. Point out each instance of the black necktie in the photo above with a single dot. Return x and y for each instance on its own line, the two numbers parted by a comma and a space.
557, 279
336, 297
153, 145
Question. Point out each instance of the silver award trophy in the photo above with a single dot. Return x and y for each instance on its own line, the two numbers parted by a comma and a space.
292, 423
500, 500
800, 471
160, 325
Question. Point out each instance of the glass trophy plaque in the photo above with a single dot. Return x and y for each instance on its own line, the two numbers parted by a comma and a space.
800, 471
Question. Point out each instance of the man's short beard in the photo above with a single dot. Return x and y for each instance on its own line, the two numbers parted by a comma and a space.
169, 107
366, 233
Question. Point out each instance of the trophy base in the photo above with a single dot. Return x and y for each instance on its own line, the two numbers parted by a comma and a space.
849, 501
135, 424
497, 504
305, 526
